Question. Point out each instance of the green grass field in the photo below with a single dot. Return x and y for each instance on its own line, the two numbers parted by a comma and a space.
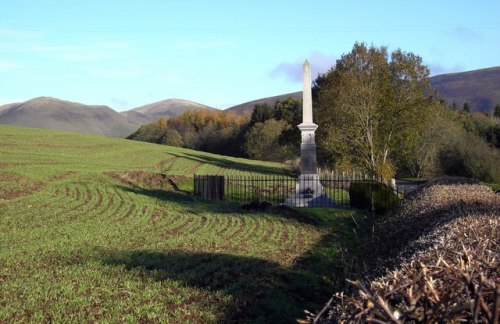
90, 232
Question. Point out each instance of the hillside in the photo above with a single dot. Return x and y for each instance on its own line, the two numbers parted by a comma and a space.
56, 114
98, 231
247, 107
165, 108
481, 88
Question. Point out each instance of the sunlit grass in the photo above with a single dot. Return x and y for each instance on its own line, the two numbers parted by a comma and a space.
78, 245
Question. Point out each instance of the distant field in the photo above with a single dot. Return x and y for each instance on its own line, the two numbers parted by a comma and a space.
89, 231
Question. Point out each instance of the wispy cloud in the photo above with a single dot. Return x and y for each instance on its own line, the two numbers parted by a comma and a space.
6, 101
119, 102
466, 34
80, 53
211, 44
8, 65
437, 68
128, 72
16, 34
320, 63
171, 79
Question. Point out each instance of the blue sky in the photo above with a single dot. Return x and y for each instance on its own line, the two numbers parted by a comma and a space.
128, 53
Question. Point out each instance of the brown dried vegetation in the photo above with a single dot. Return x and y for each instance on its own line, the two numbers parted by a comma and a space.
18, 186
443, 246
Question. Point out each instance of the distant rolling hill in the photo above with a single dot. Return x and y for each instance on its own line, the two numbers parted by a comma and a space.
481, 88
247, 107
52, 113
165, 108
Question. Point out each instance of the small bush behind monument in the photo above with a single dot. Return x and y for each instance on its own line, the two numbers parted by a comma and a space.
372, 195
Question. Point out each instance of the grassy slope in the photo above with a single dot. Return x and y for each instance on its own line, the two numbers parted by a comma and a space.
79, 245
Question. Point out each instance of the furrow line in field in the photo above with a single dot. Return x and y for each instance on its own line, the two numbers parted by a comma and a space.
110, 201
196, 229
284, 236
176, 230
227, 225
239, 229
129, 211
121, 202
253, 232
269, 232
66, 190
77, 193
169, 227
300, 240
99, 199
88, 197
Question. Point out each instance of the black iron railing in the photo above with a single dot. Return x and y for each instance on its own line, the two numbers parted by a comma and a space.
334, 190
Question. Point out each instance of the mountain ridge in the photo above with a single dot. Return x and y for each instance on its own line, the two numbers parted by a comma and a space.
165, 108
58, 114
480, 88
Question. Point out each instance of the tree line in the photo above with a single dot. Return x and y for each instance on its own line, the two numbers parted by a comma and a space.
377, 113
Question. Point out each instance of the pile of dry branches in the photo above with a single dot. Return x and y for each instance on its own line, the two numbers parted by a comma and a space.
445, 261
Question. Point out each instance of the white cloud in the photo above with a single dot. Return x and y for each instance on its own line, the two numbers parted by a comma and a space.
320, 63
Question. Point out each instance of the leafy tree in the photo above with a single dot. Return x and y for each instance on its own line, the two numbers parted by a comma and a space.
172, 138
261, 113
367, 106
418, 154
467, 155
466, 107
151, 132
212, 131
290, 111
262, 141
496, 111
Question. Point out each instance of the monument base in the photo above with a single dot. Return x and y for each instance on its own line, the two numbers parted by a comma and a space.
309, 193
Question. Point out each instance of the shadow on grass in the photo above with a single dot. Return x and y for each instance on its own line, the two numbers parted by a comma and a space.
161, 194
197, 205
231, 164
263, 291
255, 284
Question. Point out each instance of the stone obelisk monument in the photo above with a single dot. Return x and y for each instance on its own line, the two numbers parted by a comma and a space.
307, 128
309, 191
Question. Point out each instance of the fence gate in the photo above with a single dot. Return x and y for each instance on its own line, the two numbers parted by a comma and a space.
209, 187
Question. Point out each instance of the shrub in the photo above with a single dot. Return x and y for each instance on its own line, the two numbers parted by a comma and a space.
469, 156
372, 195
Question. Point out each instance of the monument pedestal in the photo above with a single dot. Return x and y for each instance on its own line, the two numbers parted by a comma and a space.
309, 193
